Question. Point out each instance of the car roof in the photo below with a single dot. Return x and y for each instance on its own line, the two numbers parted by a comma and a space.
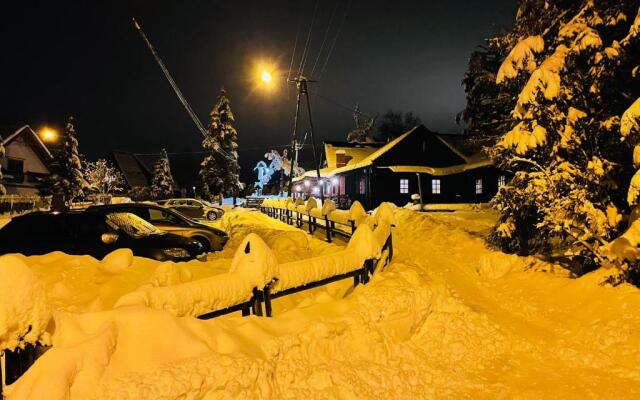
124, 205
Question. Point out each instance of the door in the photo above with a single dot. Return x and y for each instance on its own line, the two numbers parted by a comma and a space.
195, 209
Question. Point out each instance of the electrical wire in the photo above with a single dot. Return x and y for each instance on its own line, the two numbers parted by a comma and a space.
335, 39
303, 60
324, 40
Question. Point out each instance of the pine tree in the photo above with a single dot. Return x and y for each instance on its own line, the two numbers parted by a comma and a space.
162, 183
560, 99
66, 168
3, 190
220, 170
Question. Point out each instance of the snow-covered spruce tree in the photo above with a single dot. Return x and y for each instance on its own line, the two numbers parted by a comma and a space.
220, 170
162, 183
102, 178
67, 168
572, 77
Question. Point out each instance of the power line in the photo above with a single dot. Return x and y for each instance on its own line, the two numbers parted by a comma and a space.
326, 34
335, 39
267, 147
303, 60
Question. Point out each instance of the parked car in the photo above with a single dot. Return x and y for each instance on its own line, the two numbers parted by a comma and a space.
95, 234
195, 208
169, 220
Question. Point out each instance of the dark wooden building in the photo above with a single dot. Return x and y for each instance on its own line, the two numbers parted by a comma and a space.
417, 162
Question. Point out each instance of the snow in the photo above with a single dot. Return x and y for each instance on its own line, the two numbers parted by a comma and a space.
448, 318
24, 312
545, 80
520, 58
524, 140
630, 120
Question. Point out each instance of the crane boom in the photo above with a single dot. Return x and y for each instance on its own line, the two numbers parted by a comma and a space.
173, 84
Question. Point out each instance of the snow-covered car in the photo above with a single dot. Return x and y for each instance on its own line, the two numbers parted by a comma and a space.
95, 234
169, 220
195, 208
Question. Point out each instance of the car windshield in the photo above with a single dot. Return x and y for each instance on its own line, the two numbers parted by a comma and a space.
132, 225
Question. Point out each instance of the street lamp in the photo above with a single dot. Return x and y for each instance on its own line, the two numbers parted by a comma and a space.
48, 134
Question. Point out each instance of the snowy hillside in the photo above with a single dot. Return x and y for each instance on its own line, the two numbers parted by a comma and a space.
448, 318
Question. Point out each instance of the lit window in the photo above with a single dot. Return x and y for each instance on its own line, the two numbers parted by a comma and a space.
478, 186
501, 180
404, 186
362, 186
435, 186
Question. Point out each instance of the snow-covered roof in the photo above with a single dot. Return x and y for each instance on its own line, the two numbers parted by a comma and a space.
440, 171
33, 134
475, 161
355, 153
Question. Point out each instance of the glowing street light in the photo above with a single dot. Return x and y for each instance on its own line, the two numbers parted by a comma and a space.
48, 134
266, 77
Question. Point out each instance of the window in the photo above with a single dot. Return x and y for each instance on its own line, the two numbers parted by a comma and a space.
435, 186
478, 186
15, 170
404, 186
362, 186
501, 180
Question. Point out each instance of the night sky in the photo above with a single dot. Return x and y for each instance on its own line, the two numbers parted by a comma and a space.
85, 59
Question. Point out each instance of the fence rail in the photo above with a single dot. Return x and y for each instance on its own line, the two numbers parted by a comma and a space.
14, 204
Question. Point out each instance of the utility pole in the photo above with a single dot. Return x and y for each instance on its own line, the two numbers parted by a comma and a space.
301, 85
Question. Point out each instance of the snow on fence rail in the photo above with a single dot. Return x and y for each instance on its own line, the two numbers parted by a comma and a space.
18, 203
288, 209
255, 277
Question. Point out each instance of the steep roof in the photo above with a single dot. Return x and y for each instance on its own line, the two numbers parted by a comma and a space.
356, 152
26, 130
131, 168
470, 161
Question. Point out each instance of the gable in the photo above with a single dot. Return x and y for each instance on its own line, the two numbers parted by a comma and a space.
346, 155
420, 147
24, 144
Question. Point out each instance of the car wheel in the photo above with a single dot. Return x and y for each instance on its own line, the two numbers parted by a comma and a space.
206, 246
212, 216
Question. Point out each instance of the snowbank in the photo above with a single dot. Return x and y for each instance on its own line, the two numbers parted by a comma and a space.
24, 311
253, 266
449, 318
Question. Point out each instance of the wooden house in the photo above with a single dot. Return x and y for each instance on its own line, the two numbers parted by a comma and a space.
26, 162
417, 162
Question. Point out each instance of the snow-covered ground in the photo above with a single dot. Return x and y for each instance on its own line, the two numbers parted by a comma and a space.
448, 318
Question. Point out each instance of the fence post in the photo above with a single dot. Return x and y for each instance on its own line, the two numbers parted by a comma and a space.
327, 225
266, 293
311, 224
257, 302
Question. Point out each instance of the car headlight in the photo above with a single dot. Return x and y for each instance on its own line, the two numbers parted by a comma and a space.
176, 252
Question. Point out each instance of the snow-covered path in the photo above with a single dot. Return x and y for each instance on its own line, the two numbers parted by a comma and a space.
449, 318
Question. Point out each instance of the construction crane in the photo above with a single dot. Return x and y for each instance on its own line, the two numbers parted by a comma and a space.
175, 87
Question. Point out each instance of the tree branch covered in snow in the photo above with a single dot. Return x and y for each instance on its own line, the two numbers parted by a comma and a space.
102, 177
569, 83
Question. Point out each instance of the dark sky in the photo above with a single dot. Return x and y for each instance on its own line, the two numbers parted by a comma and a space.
85, 59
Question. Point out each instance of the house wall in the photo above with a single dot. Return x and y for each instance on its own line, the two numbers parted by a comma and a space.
22, 149
456, 188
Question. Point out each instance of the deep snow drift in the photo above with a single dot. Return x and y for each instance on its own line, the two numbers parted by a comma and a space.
449, 318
